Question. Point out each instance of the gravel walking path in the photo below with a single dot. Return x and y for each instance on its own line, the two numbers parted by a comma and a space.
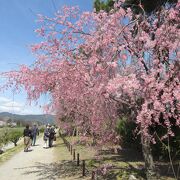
40, 164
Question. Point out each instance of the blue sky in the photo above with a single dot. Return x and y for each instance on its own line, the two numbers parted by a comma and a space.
17, 25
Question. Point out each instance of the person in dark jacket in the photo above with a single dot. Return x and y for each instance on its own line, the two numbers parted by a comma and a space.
46, 136
35, 132
27, 138
51, 136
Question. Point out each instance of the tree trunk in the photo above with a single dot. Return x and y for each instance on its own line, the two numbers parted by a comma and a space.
1, 151
15, 143
148, 158
94, 139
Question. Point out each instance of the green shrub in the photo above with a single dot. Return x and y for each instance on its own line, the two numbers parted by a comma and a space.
1, 141
126, 130
41, 130
162, 148
14, 136
10, 135
5, 136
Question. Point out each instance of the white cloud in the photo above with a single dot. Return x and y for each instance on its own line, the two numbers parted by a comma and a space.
8, 105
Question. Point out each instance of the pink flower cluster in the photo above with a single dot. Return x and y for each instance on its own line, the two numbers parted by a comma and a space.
93, 66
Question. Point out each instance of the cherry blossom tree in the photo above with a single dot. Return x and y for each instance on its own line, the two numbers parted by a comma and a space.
93, 64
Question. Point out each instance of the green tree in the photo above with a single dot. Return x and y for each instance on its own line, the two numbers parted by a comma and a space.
1, 143
149, 6
14, 136
4, 138
103, 5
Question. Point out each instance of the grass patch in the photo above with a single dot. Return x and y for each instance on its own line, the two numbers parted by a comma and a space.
124, 164
86, 152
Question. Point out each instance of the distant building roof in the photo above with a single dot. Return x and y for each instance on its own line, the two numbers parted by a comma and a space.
2, 123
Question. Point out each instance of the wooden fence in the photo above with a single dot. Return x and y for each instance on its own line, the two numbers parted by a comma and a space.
76, 157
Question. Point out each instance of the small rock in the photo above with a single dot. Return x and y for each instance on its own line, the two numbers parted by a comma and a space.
132, 177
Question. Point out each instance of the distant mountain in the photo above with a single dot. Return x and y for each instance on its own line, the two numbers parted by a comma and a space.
42, 118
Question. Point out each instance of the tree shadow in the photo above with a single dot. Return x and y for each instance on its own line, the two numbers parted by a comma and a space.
117, 171
163, 170
125, 155
166, 169
132, 163
58, 145
62, 169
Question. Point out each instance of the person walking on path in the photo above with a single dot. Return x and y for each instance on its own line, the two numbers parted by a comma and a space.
46, 136
51, 136
35, 132
27, 138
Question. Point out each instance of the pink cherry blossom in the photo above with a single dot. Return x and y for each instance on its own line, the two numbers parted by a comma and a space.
92, 67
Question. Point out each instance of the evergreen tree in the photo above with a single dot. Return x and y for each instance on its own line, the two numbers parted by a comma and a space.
149, 6
103, 5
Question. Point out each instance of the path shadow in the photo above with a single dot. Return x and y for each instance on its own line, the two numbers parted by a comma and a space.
29, 150
58, 170
36, 145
